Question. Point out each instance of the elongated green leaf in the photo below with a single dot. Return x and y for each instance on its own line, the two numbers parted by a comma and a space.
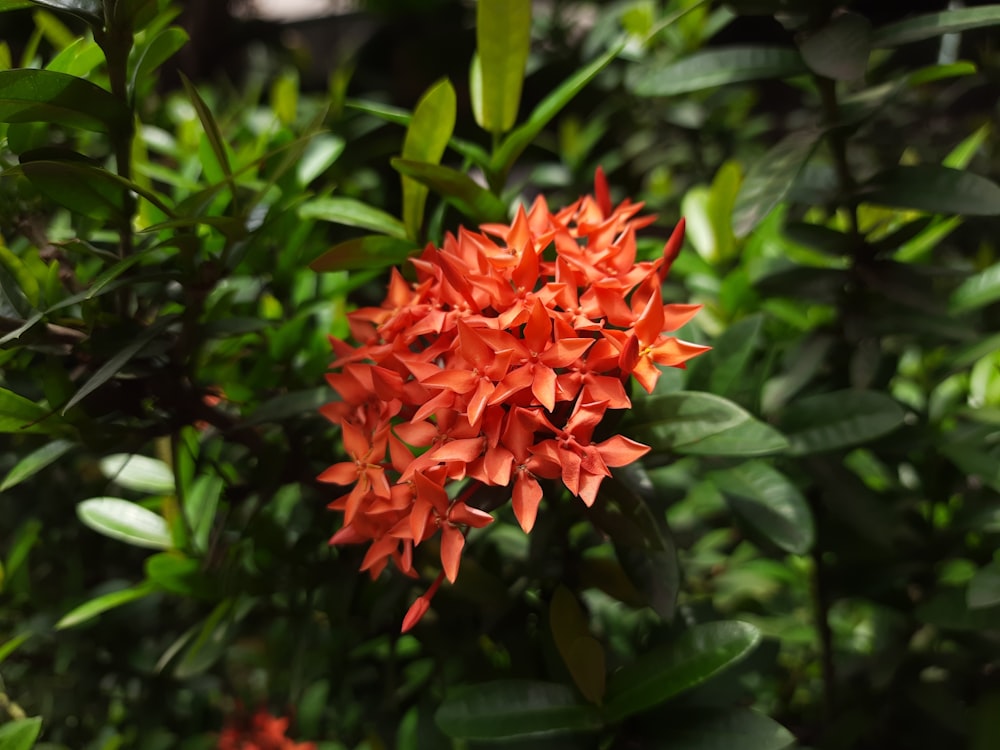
353, 213
370, 251
22, 276
212, 639
581, 652
724, 729
519, 139
91, 11
769, 180
722, 370
839, 49
977, 291
698, 654
711, 68
200, 505
125, 521
514, 708
82, 188
840, 419
503, 39
20, 734
211, 127
927, 187
12, 645
139, 473
91, 609
960, 156
931, 25
34, 462
426, 139
155, 52
18, 414
320, 154
984, 587
471, 199
770, 502
29, 95
703, 424
176, 574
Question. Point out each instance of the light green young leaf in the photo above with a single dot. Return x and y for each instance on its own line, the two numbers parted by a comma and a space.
139, 473
503, 39
20, 734
89, 610
20, 415
977, 291
34, 462
426, 139
473, 200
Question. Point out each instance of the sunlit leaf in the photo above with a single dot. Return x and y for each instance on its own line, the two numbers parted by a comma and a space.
503, 38
28, 95
353, 213
125, 521
473, 200
20, 734
977, 291
91, 609
139, 473
426, 139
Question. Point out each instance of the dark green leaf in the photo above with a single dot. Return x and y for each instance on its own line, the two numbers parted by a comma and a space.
34, 462
503, 38
769, 502
91, 11
931, 25
19, 415
212, 131
725, 729
200, 504
770, 178
427, 137
370, 251
723, 370
977, 291
818, 237
155, 52
103, 603
581, 652
670, 670
471, 199
703, 424
139, 473
514, 708
82, 188
125, 521
829, 421
353, 213
176, 574
717, 67
20, 734
927, 187
839, 49
28, 95
984, 588
949, 609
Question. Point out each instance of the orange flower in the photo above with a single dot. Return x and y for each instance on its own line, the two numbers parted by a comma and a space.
494, 369
261, 732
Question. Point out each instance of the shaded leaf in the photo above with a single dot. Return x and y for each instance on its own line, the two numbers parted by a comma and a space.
176, 574
427, 137
91, 11
669, 670
722, 370
211, 127
984, 588
125, 521
20, 415
829, 421
931, 25
353, 213
725, 729
370, 251
839, 49
471, 199
581, 652
139, 473
927, 187
200, 504
717, 67
949, 608
34, 462
29, 95
320, 154
91, 609
155, 52
977, 291
503, 39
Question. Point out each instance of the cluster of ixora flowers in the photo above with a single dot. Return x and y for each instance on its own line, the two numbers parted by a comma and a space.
494, 368
262, 731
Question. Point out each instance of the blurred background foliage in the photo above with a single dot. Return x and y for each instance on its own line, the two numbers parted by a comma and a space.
808, 555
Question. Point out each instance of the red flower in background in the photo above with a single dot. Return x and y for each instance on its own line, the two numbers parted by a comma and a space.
261, 732
495, 368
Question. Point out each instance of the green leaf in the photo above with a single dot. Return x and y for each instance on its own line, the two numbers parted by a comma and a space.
503, 39
514, 708
977, 291
90, 610
474, 201
176, 574
200, 504
320, 154
702, 424
353, 213
19, 415
427, 137
91, 11
156, 51
930, 25
770, 178
34, 462
22, 276
125, 521
984, 588
12, 645
949, 608
28, 95
711, 68
370, 251
667, 671
770, 503
723, 370
139, 473
20, 734
840, 49
960, 156
211, 127
829, 421
580, 651
213, 638
519, 139
82, 188
927, 187
724, 729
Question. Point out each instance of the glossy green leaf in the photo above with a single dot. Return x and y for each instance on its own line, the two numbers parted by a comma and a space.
582, 654
984, 588
320, 154
370, 251
927, 187
672, 669
353, 213
90, 610
474, 201
20, 734
930, 25
29, 95
91, 11
503, 39
426, 139
176, 574
830, 421
724, 729
840, 48
717, 67
702, 424
139, 473
20, 415
770, 179
125, 521
977, 291
514, 708
156, 51
770, 503
34, 462
200, 504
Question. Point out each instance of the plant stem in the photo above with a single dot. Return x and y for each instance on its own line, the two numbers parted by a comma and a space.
837, 139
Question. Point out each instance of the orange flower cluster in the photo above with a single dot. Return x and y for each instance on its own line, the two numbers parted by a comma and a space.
261, 732
495, 368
